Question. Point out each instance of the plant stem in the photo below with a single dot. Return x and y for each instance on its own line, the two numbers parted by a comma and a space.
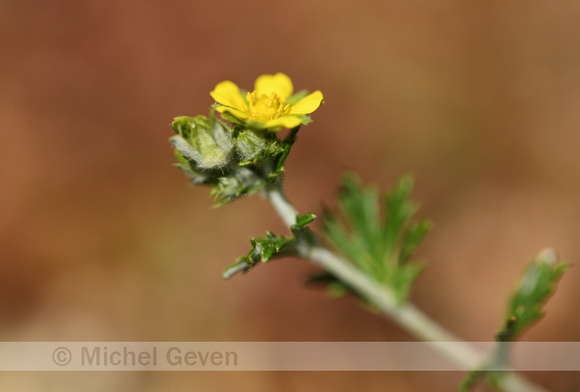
406, 315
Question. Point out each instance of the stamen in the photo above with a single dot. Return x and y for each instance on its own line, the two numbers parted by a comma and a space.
266, 107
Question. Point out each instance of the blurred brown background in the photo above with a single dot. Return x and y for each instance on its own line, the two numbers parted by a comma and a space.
101, 238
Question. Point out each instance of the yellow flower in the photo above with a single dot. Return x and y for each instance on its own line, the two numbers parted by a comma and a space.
270, 106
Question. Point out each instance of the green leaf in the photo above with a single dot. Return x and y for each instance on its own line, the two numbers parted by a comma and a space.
238, 266
525, 307
336, 288
468, 383
377, 232
305, 219
537, 284
264, 249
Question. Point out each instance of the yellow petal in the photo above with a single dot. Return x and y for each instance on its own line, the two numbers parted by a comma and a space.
234, 112
279, 84
308, 104
283, 122
228, 93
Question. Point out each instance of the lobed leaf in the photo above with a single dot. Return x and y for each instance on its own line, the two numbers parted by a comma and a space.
377, 232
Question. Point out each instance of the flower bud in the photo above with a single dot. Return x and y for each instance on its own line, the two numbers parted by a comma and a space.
250, 143
207, 141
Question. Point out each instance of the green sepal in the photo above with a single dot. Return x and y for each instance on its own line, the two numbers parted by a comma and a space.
227, 190
238, 183
293, 100
227, 116
192, 170
304, 118
283, 151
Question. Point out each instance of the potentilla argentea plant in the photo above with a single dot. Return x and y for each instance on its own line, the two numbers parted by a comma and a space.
367, 244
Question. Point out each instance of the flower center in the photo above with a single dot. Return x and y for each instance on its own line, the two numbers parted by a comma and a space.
266, 107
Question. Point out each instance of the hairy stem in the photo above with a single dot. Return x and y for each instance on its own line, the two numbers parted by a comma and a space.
406, 315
